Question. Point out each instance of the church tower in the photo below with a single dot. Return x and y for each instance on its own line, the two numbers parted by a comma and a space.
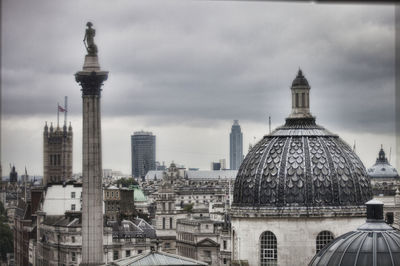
91, 79
57, 154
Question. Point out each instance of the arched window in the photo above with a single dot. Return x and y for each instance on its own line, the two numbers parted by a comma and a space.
323, 238
268, 249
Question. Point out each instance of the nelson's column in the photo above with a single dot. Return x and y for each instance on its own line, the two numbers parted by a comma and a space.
91, 78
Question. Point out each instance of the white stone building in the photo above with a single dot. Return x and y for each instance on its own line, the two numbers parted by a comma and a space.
297, 189
60, 198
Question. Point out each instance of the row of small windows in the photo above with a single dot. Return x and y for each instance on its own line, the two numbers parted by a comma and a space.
127, 254
269, 244
112, 194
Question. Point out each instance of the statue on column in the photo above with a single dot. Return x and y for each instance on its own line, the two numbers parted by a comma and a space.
88, 40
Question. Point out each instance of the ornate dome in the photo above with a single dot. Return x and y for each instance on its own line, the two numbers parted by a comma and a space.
301, 164
373, 243
382, 168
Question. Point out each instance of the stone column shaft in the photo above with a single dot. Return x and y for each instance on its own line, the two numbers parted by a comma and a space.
91, 79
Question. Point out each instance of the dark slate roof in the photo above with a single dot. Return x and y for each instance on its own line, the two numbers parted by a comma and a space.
372, 244
306, 166
138, 228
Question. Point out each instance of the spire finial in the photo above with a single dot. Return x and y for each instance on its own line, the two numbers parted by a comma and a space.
300, 73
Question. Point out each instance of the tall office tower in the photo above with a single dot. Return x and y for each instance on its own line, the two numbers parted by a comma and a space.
91, 79
143, 148
236, 146
57, 154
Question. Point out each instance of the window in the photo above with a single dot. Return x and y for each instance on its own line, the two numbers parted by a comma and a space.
225, 245
73, 256
72, 239
139, 251
323, 238
268, 249
224, 260
167, 245
170, 222
163, 223
72, 207
72, 195
207, 253
127, 253
115, 255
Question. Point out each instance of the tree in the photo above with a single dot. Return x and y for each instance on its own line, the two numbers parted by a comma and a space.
188, 207
126, 182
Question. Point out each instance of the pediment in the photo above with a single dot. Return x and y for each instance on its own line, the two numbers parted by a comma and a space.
207, 243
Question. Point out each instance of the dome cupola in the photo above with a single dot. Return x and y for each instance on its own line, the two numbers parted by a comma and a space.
300, 97
373, 243
301, 165
382, 167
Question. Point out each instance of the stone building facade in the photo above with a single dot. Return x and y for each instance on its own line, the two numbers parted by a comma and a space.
57, 154
177, 196
118, 203
203, 239
60, 239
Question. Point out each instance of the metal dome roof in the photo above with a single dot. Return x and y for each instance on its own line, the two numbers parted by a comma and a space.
374, 243
300, 80
382, 168
301, 164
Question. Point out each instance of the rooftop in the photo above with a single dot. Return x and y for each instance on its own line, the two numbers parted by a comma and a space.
156, 258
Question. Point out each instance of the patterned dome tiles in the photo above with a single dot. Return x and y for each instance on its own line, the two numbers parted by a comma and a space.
295, 170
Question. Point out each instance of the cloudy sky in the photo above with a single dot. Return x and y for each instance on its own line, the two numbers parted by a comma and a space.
186, 69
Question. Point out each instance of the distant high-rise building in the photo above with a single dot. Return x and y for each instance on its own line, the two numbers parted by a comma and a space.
57, 154
220, 165
143, 148
236, 146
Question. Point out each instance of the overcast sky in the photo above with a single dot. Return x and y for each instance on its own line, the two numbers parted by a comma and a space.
186, 69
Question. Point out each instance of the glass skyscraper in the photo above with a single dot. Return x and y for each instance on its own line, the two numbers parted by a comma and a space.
143, 148
236, 146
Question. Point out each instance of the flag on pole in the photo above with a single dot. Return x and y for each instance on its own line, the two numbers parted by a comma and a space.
60, 109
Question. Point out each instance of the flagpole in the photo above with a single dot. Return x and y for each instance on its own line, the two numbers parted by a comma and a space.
65, 110
58, 115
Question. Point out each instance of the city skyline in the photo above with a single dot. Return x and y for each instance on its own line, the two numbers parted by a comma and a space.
189, 72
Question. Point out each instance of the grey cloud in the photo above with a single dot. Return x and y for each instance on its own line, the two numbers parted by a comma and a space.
198, 61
